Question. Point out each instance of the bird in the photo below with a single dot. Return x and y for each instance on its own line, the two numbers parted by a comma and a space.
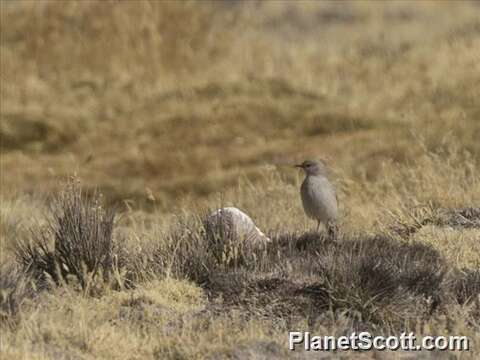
319, 198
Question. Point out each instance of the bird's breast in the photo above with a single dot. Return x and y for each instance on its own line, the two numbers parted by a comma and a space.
319, 198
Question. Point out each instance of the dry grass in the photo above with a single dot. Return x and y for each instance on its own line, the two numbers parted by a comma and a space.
77, 240
173, 108
251, 77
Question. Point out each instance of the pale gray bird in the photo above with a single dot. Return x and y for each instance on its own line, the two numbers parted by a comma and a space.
318, 194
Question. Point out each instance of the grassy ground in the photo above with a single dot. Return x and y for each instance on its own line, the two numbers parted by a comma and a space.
173, 108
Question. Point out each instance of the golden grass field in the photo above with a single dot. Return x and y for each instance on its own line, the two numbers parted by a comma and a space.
171, 108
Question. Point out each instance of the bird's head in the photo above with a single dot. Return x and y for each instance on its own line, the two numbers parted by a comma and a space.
312, 167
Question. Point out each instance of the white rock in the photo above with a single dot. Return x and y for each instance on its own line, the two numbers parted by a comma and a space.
234, 223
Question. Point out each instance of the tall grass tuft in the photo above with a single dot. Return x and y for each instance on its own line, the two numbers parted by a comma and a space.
76, 241
14, 289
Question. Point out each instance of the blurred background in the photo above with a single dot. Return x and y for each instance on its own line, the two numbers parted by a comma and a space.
156, 101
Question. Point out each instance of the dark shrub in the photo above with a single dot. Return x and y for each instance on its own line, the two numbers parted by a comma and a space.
196, 250
374, 281
466, 218
76, 240
15, 287
466, 286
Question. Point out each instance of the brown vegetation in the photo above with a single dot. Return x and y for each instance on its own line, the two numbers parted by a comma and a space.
171, 109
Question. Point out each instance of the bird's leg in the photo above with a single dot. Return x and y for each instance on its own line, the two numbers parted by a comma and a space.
332, 230
318, 225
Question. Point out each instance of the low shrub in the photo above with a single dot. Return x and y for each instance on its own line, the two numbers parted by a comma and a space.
15, 288
76, 240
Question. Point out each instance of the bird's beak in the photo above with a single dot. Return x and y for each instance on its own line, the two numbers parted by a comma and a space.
298, 166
